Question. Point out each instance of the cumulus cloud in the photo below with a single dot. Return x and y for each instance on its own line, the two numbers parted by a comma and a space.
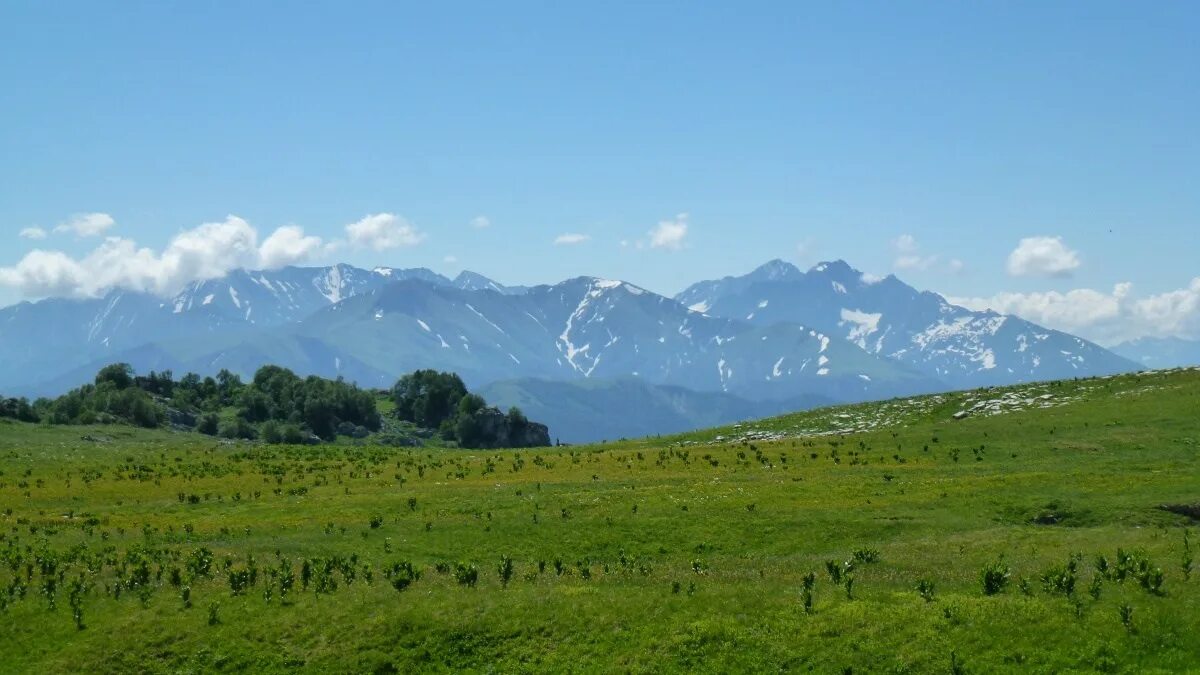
480, 222
382, 231
669, 234
87, 224
209, 251
571, 239
1106, 317
33, 233
908, 254
1042, 257
288, 245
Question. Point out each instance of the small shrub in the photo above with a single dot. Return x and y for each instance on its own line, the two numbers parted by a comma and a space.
925, 589
1126, 613
401, 575
466, 574
505, 570
866, 555
995, 577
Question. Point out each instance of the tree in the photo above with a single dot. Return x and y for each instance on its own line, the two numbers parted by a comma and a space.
428, 397
468, 427
209, 423
319, 416
271, 432
517, 425
119, 375
237, 428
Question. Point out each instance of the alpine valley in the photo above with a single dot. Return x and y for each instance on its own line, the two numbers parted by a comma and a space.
775, 339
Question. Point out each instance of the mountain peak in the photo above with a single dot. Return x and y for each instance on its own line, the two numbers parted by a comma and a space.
775, 270
839, 269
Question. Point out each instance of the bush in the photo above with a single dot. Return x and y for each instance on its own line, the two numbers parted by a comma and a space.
293, 435
271, 432
466, 574
209, 424
238, 428
995, 577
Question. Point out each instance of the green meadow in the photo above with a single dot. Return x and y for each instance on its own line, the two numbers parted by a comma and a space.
1047, 530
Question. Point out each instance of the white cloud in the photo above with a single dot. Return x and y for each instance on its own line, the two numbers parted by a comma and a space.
908, 254
206, 252
288, 245
33, 233
571, 238
1042, 257
956, 266
87, 224
382, 231
806, 249
1107, 318
669, 234
480, 222
450, 260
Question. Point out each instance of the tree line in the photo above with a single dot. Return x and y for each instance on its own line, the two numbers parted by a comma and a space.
279, 406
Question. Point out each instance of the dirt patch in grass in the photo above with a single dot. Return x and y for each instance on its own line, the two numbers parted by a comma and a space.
1190, 510
1052, 513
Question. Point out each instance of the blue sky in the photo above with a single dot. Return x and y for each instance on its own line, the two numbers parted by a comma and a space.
925, 139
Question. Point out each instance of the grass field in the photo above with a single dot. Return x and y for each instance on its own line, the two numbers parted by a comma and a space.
128, 550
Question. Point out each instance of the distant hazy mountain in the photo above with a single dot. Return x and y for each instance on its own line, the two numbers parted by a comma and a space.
470, 281
591, 410
52, 343
587, 327
1161, 352
774, 335
890, 319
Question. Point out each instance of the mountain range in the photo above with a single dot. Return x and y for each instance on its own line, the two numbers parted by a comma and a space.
1161, 352
720, 350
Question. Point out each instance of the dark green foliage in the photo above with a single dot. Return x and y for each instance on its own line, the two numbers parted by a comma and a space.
466, 574
428, 398
995, 577
279, 395
271, 432
113, 398
468, 428
401, 574
119, 375
1060, 579
1125, 611
18, 409
440, 401
237, 428
293, 435
866, 555
209, 424
1186, 563
505, 570
925, 589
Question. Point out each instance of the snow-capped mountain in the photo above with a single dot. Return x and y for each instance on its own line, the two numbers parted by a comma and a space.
596, 328
890, 319
775, 333
472, 281
280, 296
42, 340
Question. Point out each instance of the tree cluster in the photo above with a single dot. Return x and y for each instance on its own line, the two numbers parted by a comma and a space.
437, 400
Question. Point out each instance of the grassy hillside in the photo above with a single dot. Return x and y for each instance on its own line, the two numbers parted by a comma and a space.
687, 553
